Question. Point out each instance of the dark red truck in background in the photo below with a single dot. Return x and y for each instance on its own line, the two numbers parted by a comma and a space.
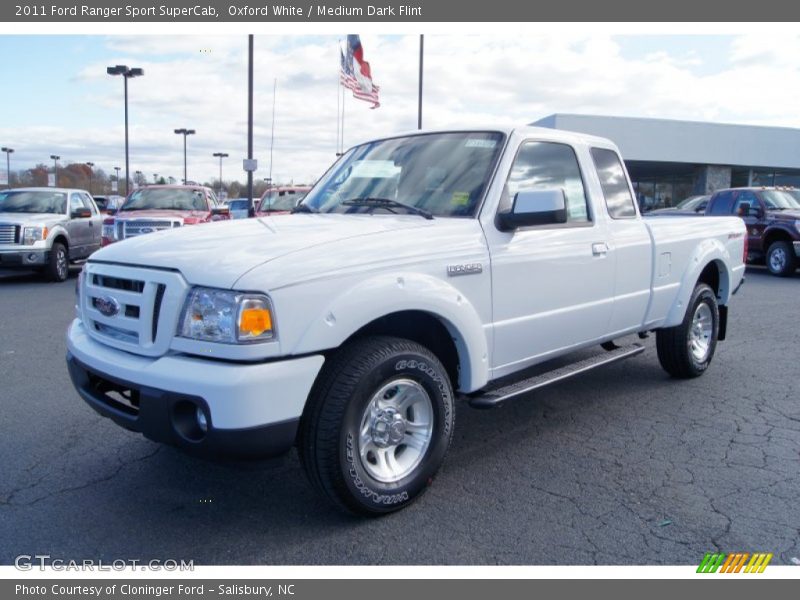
772, 216
157, 207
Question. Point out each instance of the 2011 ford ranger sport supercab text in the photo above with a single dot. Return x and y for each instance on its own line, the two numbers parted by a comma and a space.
419, 269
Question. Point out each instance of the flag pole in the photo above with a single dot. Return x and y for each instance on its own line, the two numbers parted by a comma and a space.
344, 96
338, 94
419, 103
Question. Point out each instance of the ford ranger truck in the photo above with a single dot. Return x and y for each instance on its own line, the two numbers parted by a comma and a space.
420, 269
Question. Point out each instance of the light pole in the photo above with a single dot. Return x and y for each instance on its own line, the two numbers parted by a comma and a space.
138, 178
8, 152
220, 155
119, 190
185, 132
55, 168
91, 166
155, 178
126, 74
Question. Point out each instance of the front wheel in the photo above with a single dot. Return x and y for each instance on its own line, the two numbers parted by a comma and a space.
58, 267
781, 260
686, 350
378, 425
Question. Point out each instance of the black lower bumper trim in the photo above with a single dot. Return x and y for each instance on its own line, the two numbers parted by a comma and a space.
169, 417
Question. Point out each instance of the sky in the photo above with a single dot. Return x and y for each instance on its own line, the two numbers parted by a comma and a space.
58, 99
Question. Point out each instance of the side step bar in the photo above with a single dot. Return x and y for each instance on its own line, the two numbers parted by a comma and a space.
497, 396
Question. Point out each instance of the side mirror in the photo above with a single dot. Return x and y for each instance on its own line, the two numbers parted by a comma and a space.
111, 211
220, 211
81, 213
534, 207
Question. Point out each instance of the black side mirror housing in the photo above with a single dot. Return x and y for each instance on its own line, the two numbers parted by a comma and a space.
81, 213
534, 207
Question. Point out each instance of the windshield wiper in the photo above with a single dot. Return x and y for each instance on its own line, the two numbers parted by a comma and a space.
301, 208
388, 204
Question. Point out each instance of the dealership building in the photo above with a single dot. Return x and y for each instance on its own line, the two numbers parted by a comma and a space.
670, 160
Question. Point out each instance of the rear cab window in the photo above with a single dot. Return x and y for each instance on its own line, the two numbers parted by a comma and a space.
614, 183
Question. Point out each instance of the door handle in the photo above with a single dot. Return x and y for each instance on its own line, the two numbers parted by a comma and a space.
599, 248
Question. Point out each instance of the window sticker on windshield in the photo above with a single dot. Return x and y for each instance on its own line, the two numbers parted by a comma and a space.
379, 169
459, 199
480, 143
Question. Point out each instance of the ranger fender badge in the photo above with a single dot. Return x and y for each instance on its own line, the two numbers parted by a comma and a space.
107, 306
468, 269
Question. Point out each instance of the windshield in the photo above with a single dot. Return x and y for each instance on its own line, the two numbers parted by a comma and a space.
281, 200
445, 174
777, 199
33, 202
238, 204
166, 199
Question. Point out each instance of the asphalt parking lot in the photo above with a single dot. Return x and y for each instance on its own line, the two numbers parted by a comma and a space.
619, 466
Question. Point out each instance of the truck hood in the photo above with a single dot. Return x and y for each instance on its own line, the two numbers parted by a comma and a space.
784, 215
32, 219
218, 254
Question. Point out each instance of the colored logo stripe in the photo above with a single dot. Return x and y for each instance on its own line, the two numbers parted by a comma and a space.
734, 562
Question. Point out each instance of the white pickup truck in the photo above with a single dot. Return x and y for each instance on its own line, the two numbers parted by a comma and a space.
420, 269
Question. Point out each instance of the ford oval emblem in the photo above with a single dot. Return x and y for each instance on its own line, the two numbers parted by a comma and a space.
147, 230
107, 306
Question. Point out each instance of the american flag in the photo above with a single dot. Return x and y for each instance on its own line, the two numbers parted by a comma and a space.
355, 73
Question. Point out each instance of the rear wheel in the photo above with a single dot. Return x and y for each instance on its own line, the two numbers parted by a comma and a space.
781, 260
686, 350
378, 425
57, 268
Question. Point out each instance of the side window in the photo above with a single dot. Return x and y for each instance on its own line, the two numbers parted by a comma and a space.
616, 192
549, 165
722, 204
76, 202
87, 200
745, 197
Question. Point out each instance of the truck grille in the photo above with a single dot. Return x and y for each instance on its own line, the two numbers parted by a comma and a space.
129, 228
132, 308
9, 234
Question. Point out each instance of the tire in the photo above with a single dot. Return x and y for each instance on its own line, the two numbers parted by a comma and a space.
686, 350
781, 260
369, 459
57, 268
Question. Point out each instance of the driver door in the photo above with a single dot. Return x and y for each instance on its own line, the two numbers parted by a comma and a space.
552, 285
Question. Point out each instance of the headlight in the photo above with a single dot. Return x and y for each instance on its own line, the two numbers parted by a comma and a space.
33, 234
226, 317
109, 231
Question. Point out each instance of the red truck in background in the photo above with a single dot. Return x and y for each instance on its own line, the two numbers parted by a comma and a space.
158, 207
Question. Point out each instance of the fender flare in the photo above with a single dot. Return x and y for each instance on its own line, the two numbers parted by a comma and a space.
56, 231
709, 251
386, 294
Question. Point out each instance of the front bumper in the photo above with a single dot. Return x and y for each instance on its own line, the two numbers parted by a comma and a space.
250, 409
24, 259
